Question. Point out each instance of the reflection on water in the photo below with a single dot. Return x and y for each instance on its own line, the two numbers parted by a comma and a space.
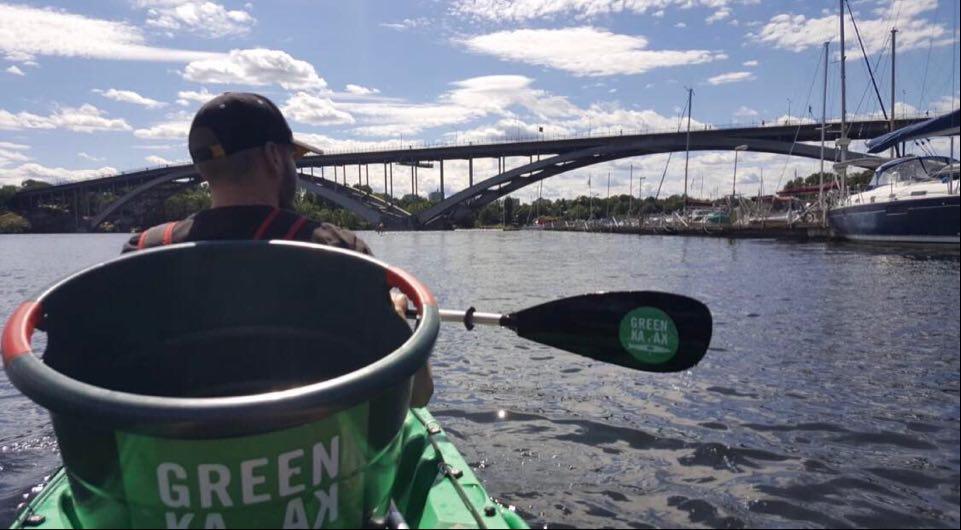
829, 396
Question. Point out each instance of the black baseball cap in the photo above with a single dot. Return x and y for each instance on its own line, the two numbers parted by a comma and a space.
235, 121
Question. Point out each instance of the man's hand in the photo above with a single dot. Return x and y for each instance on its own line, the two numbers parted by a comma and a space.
423, 380
400, 303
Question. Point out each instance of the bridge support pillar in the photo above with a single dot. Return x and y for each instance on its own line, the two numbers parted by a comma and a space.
442, 180
470, 173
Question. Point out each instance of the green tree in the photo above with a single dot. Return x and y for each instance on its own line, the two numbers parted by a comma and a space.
31, 184
6, 197
11, 223
187, 202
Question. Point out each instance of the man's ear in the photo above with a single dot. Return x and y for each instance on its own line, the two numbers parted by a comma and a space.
274, 158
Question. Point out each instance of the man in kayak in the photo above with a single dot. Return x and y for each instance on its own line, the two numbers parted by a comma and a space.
244, 149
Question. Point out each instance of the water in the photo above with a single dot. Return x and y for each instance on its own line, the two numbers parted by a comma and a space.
829, 397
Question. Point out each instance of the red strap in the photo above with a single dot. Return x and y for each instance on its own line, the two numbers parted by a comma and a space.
142, 242
169, 233
296, 228
259, 234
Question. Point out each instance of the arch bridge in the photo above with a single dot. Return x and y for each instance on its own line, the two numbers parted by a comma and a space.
345, 178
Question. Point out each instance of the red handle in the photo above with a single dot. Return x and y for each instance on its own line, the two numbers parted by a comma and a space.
419, 294
15, 340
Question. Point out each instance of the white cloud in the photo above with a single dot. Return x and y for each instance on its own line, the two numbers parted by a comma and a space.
358, 90
522, 10
15, 71
945, 104
469, 99
12, 153
404, 119
19, 57
176, 129
129, 96
155, 160
584, 51
257, 67
314, 110
329, 144
750, 64
680, 25
406, 24
53, 175
207, 19
797, 33
731, 77
85, 118
494, 94
158, 147
718, 16
745, 112
26, 32
186, 97
89, 157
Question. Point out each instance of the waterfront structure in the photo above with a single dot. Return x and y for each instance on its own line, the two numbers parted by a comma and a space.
327, 175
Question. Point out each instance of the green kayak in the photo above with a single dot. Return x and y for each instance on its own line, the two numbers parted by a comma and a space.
435, 488
270, 384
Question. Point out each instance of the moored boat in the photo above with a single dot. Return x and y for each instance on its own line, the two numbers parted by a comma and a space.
909, 200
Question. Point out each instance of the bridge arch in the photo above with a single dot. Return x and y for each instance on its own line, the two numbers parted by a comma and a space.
114, 207
369, 207
510, 181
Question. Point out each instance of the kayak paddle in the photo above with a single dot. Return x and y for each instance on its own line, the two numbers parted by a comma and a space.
644, 330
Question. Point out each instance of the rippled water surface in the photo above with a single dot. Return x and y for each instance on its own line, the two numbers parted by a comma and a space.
829, 397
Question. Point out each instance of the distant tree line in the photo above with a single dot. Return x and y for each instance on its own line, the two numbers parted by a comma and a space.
10, 222
855, 180
508, 211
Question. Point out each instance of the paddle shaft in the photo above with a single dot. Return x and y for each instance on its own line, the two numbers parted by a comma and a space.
469, 318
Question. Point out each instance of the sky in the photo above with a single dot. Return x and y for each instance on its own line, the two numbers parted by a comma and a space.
93, 88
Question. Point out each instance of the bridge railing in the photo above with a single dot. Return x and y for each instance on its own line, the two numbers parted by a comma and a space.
398, 145
605, 132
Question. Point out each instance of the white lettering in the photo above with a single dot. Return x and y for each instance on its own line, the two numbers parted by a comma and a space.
249, 481
173, 522
296, 516
172, 496
328, 506
215, 520
324, 460
209, 485
285, 472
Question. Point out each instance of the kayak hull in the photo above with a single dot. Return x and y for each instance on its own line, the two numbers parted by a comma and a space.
435, 488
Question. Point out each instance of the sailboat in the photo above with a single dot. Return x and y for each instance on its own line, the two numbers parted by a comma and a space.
911, 199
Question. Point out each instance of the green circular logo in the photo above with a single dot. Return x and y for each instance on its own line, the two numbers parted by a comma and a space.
649, 335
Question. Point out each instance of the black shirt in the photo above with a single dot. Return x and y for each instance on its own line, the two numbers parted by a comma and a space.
243, 223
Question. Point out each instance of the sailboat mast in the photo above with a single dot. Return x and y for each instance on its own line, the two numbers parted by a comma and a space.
824, 125
687, 149
894, 35
843, 142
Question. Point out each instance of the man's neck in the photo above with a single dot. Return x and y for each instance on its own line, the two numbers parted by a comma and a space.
221, 198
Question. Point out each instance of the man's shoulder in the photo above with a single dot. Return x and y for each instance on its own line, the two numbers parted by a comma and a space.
334, 236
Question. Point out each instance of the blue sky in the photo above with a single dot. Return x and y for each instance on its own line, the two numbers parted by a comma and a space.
92, 88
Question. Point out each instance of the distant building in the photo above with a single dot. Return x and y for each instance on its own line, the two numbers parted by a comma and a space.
435, 196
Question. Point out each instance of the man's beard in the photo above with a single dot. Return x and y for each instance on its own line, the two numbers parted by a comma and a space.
288, 188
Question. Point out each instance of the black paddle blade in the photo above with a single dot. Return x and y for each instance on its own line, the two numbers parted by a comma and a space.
648, 331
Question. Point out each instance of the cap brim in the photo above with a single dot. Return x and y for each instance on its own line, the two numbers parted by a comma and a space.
301, 149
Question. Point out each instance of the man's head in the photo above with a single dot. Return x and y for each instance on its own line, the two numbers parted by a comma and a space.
242, 145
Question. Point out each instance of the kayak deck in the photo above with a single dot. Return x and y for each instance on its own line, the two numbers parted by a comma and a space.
435, 488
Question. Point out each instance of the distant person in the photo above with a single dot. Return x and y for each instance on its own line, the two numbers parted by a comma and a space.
244, 149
